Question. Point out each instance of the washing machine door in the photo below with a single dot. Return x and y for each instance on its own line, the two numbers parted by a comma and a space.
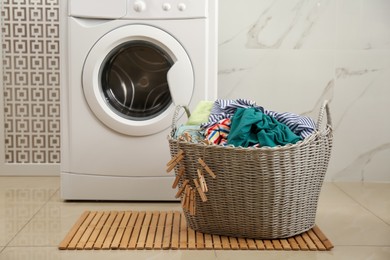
134, 76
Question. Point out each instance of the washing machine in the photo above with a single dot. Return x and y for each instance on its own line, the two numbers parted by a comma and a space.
126, 65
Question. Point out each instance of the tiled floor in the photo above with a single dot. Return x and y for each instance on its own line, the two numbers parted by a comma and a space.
34, 220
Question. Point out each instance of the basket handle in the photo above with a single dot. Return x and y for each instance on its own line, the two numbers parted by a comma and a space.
324, 108
176, 117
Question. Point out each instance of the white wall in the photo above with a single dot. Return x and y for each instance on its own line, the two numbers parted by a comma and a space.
291, 55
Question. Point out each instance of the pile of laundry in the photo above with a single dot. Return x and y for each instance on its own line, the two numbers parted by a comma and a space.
242, 123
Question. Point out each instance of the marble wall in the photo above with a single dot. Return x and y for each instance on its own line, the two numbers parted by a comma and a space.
287, 56
291, 55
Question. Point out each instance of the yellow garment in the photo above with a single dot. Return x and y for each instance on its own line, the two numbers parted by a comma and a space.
201, 113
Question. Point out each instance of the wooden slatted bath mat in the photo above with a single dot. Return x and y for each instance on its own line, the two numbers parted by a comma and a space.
168, 230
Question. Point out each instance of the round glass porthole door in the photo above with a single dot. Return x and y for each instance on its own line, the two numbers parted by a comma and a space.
134, 80
134, 76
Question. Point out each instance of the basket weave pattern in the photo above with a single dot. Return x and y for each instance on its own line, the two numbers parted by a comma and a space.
262, 193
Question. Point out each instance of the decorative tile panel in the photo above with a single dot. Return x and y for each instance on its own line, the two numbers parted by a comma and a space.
31, 80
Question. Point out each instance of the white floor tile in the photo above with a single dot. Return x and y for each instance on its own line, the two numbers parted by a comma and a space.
34, 220
52, 253
373, 196
20, 199
341, 253
347, 223
51, 224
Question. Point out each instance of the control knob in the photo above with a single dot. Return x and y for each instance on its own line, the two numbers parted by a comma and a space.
139, 6
181, 6
166, 6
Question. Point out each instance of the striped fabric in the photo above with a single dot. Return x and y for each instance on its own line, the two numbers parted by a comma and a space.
300, 125
225, 108
219, 132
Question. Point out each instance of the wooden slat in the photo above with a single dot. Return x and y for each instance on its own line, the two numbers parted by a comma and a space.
175, 230
128, 231
84, 239
328, 245
316, 240
233, 243
268, 244
94, 224
168, 231
144, 230
301, 243
285, 244
160, 230
75, 240
251, 244
217, 242
277, 244
293, 243
225, 242
65, 242
92, 239
308, 241
111, 233
105, 229
152, 230
208, 241
191, 239
199, 240
260, 244
183, 232
136, 230
242, 243
121, 230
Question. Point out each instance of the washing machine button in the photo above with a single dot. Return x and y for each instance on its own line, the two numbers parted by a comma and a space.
139, 6
166, 6
181, 6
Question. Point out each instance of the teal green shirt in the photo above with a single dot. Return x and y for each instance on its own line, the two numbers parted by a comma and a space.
250, 126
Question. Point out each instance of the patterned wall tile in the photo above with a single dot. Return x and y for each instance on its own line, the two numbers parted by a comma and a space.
31, 80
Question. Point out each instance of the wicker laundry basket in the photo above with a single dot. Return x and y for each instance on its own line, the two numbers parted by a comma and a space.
262, 193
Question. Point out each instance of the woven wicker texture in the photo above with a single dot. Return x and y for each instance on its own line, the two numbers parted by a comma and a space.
261, 193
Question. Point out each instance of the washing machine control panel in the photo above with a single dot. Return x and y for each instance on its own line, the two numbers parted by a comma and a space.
168, 9
138, 9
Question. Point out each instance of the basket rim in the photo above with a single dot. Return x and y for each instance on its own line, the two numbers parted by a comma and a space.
320, 131
317, 134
